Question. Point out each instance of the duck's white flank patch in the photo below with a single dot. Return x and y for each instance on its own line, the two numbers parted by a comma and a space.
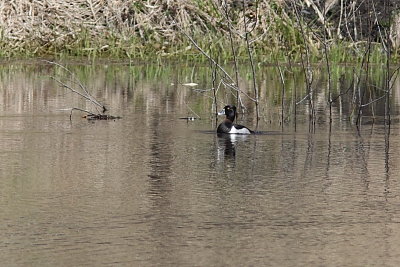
239, 131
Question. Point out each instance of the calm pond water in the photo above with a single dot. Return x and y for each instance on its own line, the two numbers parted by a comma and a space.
151, 189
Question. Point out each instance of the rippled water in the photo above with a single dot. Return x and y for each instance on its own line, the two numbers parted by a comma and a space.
151, 189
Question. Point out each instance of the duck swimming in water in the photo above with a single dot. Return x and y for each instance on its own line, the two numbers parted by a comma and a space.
227, 126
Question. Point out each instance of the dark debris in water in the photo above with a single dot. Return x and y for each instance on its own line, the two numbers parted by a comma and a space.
189, 118
101, 117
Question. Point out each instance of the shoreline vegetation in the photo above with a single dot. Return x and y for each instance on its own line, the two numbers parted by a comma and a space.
280, 30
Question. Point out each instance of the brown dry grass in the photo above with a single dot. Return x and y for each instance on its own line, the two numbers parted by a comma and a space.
126, 27
41, 26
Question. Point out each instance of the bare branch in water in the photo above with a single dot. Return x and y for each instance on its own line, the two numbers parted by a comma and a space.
304, 98
70, 88
198, 117
251, 59
82, 92
86, 94
373, 101
206, 55
235, 59
226, 79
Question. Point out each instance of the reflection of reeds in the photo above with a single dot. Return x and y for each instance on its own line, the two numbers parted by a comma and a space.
26, 89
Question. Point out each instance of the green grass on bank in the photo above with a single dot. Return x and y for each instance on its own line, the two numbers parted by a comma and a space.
218, 48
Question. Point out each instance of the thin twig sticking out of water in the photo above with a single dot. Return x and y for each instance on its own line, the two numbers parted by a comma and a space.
76, 92
308, 72
328, 66
226, 79
386, 47
366, 61
239, 102
214, 86
250, 53
231, 80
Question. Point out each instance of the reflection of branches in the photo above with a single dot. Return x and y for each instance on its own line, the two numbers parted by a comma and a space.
344, 93
214, 79
387, 148
283, 93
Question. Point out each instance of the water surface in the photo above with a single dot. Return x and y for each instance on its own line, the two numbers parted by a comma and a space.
151, 189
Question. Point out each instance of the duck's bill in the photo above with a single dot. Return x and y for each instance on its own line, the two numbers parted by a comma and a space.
222, 112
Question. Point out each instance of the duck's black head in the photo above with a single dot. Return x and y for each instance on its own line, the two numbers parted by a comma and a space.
230, 112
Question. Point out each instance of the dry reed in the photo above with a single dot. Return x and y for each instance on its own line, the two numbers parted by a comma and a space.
39, 27
128, 27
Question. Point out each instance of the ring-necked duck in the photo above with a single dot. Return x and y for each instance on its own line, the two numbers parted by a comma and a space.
227, 126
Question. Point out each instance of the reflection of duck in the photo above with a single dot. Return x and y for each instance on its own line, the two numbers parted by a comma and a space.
227, 126
227, 144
